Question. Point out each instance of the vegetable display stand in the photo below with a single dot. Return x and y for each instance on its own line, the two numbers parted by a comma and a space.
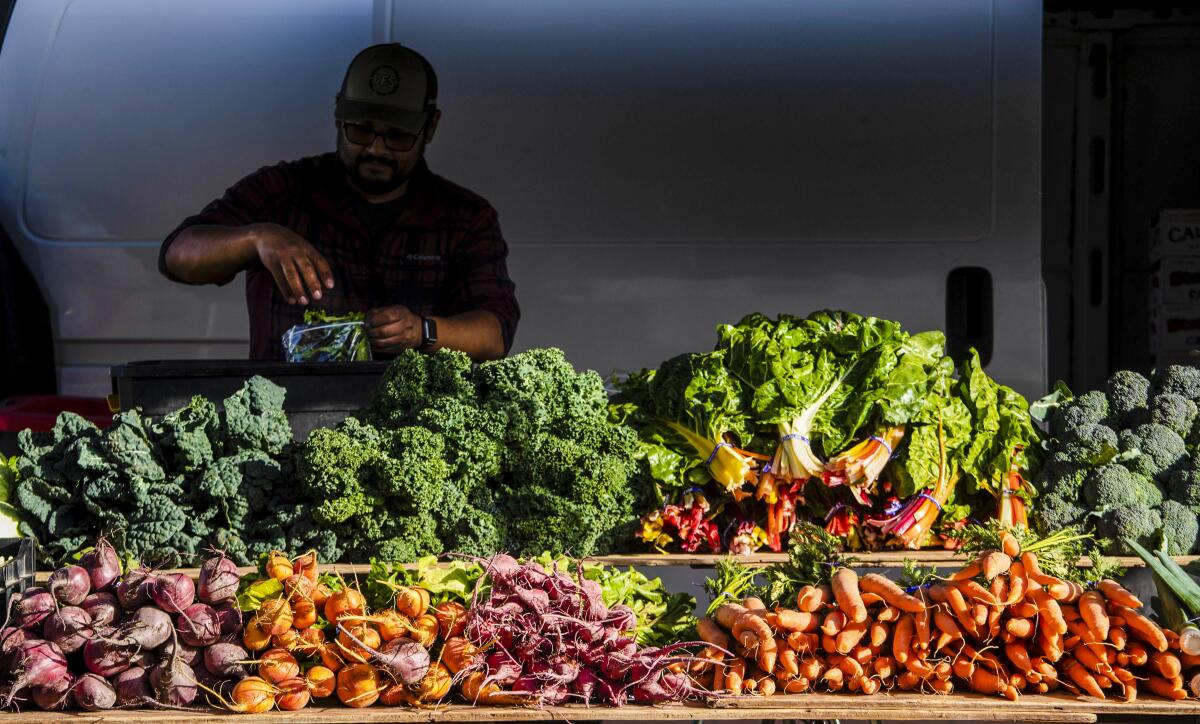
849, 707
319, 394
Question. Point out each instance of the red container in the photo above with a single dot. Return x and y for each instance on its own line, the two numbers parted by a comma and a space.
38, 412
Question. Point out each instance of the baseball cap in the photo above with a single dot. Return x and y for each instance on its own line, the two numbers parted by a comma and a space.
391, 84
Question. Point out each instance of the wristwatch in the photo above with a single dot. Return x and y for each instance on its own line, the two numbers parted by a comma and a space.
428, 333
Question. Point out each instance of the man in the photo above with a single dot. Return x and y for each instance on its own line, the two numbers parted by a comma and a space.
368, 227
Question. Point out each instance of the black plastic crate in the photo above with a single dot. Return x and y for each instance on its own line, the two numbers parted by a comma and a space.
319, 394
18, 573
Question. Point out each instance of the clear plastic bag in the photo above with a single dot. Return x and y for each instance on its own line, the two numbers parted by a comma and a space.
326, 337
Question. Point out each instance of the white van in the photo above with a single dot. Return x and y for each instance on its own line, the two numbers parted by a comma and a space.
659, 166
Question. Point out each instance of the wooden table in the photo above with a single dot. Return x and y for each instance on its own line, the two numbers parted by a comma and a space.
847, 707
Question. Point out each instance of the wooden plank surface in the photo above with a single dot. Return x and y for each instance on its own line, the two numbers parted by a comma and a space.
899, 706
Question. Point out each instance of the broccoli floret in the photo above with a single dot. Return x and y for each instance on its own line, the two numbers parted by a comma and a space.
1162, 450
1175, 411
1088, 446
1184, 485
1136, 522
1177, 379
1179, 528
1081, 412
1115, 486
1056, 511
1128, 396
1062, 480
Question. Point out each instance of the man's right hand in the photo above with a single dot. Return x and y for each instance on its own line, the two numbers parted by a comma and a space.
300, 272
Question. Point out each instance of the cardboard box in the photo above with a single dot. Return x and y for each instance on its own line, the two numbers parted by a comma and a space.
1175, 281
1174, 329
1174, 232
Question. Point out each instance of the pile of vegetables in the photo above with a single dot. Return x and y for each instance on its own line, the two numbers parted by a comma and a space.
166, 489
1124, 461
999, 625
315, 636
834, 417
94, 638
516, 454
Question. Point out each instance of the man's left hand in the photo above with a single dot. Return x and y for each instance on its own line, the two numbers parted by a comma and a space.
393, 329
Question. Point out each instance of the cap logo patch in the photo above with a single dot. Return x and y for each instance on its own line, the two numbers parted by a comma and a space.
384, 80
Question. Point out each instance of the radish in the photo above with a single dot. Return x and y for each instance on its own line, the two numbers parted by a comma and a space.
131, 589
172, 592
70, 628
148, 627
225, 659
229, 615
174, 683
219, 580
37, 663
103, 607
198, 625
93, 693
33, 606
70, 585
133, 687
108, 658
102, 564
58, 695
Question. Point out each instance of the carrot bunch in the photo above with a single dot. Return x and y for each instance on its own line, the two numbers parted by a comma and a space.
999, 625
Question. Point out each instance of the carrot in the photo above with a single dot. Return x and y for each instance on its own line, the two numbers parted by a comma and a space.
789, 662
1017, 583
1051, 645
919, 666
976, 593
754, 604
1019, 655
879, 633
834, 622
1117, 593
728, 614
812, 668
1034, 571
849, 636
980, 614
908, 681
893, 594
1024, 609
868, 685
968, 571
945, 623
766, 686
923, 621
944, 687
902, 638
885, 667
790, 620
709, 632
1145, 629
828, 644
1166, 664
1083, 678
846, 593
994, 563
811, 598
767, 656
1118, 637
1060, 590
1009, 544
1189, 661
849, 666
1021, 628
772, 619
1164, 688
799, 685
1138, 655
1049, 612
1093, 663
870, 599
751, 630
1091, 608
804, 643
834, 678
958, 606
735, 676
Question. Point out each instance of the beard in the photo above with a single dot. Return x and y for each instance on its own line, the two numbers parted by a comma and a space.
372, 184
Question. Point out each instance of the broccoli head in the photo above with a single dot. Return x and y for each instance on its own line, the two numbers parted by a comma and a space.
1089, 446
1161, 450
1115, 486
1177, 379
1128, 396
1135, 522
1175, 411
1179, 528
1056, 511
1080, 412
1184, 485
